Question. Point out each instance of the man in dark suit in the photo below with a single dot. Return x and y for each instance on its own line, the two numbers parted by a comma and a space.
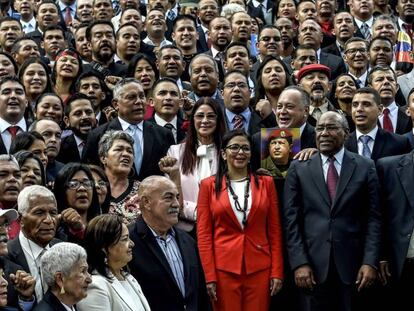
344, 29
38, 209
310, 33
165, 259
332, 220
362, 11
356, 56
393, 119
368, 139
238, 113
80, 119
207, 11
151, 141
166, 99
410, 113
263, 9
397, 265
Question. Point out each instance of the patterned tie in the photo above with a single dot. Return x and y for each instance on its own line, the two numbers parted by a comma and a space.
365, 31
13, 131
386, 121
408, 29
365, 139
238, 122
208, 39
133, 131
332, 178
68, 16
359, 83
171, 15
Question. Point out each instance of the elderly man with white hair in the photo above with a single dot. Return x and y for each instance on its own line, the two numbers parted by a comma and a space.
38, 210
65, 271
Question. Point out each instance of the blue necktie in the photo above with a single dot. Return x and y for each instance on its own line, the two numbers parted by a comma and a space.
133, 130
366, 152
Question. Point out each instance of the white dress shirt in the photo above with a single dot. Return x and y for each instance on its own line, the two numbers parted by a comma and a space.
362, 78
5, 134
339, 156
393, 108
368, 22
148, 41
161, 122
125, 125
239, 188
371, 142
28, 26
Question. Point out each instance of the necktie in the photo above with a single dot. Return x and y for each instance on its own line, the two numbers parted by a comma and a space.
366, 152
80, 148
208, 39
68, 16
133, 131
39, 286
13, 131
171, 15
408, 29
359, 83
169, 126
386, 121
238, 122
365, 31
332, 178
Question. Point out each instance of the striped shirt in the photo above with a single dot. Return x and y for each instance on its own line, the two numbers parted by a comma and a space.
172, 253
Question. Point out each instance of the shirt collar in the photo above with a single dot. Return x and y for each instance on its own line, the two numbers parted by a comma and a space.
78, 140
257, 3
31, 247
246, 114
302, 128
125, 125
372, 133
4, 125
323, 108
214, 52
392, 108
368, 22
161, 122
339, 156
171, 232
63, 6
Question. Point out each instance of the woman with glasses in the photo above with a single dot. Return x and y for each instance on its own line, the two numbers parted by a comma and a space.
77, 201
116, 152
196, 158
239, 231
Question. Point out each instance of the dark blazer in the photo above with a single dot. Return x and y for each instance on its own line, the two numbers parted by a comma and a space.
3, 149
16, 253
219, 64
12, 295
50, 303
256, 122
386, 144
202, 45
255, 12
181, 134
157, 140
69, 150
152, 271
404, 123
346, 231
334, 62
396, 175
332, 49
410, 137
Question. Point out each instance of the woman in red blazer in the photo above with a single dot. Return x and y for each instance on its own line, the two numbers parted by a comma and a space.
239, 231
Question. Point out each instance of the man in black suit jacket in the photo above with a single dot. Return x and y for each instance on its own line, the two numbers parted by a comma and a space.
410, 112
368, 139
344, 29
332, 220
129, 100
363, 17
180, 279
396, 175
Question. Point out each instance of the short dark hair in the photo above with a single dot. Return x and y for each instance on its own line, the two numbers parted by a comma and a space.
370, 90
380, 39
90, 74
17, 44
128, 9
10, 79
122, 27
168, 46
355, 39
162, 80
23, 155
24, 140
48, 2
380, 68
234, 71
53, 27
88, 33
184, 17
302, 47
236, 43
269, 27
10, 19
73, 98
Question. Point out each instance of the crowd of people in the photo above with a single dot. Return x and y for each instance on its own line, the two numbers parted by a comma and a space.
200, 155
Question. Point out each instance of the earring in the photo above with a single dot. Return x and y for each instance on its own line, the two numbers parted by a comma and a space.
62, 290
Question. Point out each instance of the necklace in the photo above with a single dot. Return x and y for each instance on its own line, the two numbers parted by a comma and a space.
236, 198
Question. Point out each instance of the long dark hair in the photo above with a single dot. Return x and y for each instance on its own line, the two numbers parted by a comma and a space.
35, 60
102, 232
24, 141
222, 168
60, 188
23, 155
100, 172
133, 64
72, 52
191, 142
260, 90
332, 97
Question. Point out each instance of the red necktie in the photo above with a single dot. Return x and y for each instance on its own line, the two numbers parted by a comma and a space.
13, 131
238, 122
68, 16
332, 178
386, 121
208, 39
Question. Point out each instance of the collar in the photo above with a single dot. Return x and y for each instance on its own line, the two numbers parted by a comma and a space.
32, 23
318, 55
246, 114
302, 128
4, 125
125, 125
372, 133
98, 116
257, 3
214, 52
215, 96
392, 107
362, 78
323, 108
78, 140
161, 122
31, 247
369, 22
180, 84
401, 23
340, 47
63, 6
205, 29
339, 156
170, 233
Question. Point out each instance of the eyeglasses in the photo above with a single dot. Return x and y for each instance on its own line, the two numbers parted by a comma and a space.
328, 128
354, 51
201, 117
236, 148
267, 39
76, 184
232, 85
101, 184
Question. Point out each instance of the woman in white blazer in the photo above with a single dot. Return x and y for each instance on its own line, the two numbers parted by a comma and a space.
196, 158
109, 250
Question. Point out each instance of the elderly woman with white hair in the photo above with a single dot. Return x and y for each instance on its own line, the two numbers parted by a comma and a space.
116, 152
65, 271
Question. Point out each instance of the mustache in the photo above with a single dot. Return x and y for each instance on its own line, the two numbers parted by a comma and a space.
317, 87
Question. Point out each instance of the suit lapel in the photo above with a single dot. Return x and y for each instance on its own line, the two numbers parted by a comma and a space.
351, 143
226, 205
378, 144
147, 135
347, 169
3, 149
122, 293
405, 172
16, 251
316, 171
184, 249
256, 197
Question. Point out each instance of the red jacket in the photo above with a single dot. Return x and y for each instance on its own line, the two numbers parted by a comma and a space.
222, 242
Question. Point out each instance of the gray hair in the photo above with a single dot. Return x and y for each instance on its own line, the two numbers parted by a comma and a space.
9, 158
108, 139
230, 9
340, 118
190, 68
30, 192
304, 98
61, 257
121, 84
385, 18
